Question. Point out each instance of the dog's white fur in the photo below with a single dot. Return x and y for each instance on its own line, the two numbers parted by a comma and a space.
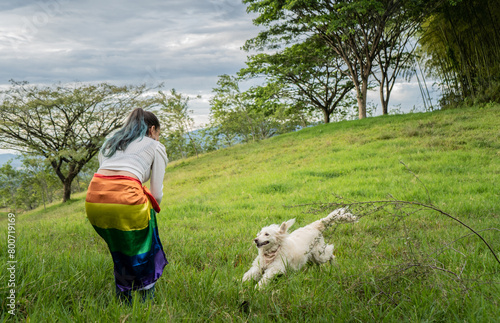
279, 250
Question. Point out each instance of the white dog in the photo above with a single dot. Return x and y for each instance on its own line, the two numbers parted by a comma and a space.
279, 250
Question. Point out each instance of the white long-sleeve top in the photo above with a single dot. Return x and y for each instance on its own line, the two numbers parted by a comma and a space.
146, 158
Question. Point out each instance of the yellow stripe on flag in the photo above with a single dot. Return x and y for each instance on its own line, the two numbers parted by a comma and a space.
118, 216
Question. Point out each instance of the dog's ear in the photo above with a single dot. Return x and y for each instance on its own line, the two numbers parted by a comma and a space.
285, 225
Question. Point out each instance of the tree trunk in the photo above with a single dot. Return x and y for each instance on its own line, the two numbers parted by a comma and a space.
361, 98
67, 191
384, 101
43, 192
73, 171
326, 116
191, 141
383, 86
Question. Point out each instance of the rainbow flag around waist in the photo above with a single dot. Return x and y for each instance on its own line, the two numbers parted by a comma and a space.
122, 212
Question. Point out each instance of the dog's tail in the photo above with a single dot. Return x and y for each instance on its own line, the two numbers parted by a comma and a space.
341, 215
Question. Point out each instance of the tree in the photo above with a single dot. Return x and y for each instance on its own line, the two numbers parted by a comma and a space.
65, 125
20, 188
255, 114
273, 109
231, 112
353, 29
37, 173
177, 124
310, 74
461, 43
396, 53
10, 181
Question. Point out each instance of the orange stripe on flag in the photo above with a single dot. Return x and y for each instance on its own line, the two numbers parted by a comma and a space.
116, 191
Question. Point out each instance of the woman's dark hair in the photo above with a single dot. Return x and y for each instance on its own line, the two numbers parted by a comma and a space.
138, 125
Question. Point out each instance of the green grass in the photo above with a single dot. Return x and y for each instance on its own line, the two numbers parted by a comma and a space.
397, 264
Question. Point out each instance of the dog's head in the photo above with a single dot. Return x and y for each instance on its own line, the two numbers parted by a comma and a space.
271, 236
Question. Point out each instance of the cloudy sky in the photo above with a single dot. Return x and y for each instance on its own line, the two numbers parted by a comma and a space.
184, 43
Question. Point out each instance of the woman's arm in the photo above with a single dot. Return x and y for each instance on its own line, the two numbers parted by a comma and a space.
158, 172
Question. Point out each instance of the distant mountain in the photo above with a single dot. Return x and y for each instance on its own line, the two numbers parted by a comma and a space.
6, 157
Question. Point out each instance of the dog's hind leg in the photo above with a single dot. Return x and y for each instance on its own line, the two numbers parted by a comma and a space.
341, 215
322, 252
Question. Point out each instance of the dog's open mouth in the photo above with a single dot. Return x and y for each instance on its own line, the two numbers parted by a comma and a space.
260, 244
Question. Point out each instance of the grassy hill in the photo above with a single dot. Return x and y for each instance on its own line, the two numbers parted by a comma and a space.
401, 261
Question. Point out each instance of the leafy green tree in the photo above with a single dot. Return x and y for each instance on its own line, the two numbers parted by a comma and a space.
310, 75
40, 177
210, 139
177, 125
10, 181
461, 43
230, 112
250, 115
34, 183
65, 124
352, 29
397, 53
288, 110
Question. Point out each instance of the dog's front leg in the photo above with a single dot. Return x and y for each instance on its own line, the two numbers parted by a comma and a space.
253, 273
270, 273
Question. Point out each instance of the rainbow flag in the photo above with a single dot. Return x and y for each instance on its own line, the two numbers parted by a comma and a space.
123, 213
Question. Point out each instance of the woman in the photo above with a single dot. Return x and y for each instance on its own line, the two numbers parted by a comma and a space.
123, 211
